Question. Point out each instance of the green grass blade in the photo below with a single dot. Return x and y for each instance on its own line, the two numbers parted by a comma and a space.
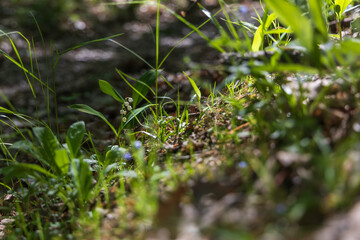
315, 7
88, 43
4, 185
23, 170
196, 29
86, 109
134, 90
193, 84
229, 22
132, 52
186, 36
133, 114
25, 70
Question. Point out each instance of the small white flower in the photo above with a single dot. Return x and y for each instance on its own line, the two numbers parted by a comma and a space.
124, 119
122, 112
127, 104
129, 108
130, 99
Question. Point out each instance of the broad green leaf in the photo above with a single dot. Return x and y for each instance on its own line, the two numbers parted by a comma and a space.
107, 88
62, 160
355, 25
342, 5
83, 179
29, 148
193, 84
49, 144
142, 86
74, 137
351, 46
290, 15
114, 154
86, 109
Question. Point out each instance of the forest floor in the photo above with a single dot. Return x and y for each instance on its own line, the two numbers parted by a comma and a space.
221, 177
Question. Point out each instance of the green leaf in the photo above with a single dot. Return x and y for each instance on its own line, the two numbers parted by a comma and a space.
279, 31
49, 144
62, 160
193, 84
19, 170
114, 154
315, 7
89, 42
107, 88
86, 109
260, 32
135, 91
351, 46
5, 110
29, 148
287, 67
290, 15
74, 137
3, 184
342, 5
133, 114
355, 25
83, 179
142, 86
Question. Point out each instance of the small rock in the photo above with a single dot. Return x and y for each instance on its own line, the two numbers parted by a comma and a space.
7, 221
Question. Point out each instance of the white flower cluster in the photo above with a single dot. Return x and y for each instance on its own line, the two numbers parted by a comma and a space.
126, 107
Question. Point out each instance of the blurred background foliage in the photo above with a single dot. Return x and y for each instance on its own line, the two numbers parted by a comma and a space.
57, 17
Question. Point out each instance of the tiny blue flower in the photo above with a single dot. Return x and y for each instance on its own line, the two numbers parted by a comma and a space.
242, 164
137, 144
243, 9
127, 156
280, 208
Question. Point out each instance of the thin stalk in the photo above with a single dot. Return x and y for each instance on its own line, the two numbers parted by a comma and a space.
340, 31
157, 57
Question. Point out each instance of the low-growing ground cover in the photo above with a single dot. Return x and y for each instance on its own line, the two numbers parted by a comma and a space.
267, 150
